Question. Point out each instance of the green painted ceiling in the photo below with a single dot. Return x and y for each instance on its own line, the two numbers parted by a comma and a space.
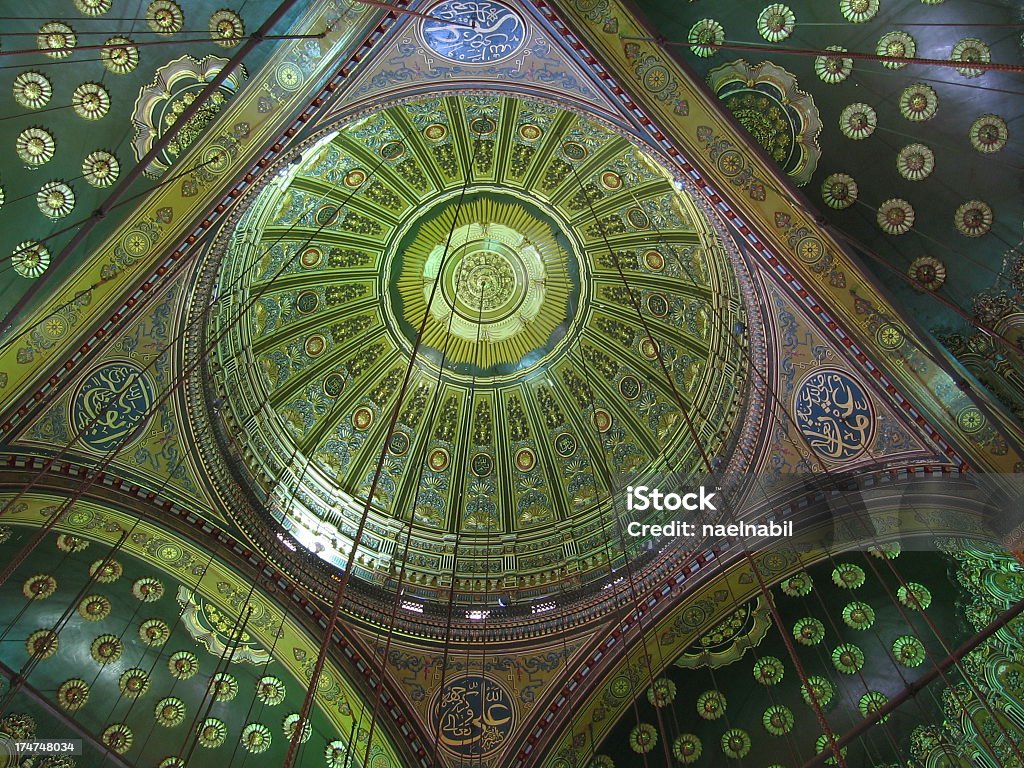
132, 668
74, 137
961, 173
536, 389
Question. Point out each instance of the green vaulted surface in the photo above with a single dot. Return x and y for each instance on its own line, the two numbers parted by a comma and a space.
536, 383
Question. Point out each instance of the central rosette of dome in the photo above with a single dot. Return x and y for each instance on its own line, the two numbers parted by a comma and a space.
492, 283
498, 281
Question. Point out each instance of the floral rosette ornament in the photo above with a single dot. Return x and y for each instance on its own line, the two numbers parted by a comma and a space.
778, 720
68, 543
918, 102
211, 733
169, 712
704, 36
73, 694
858, 11
858, 121
915, 162
857, 615
256, 738
914, 596
118, 737
662, 692
973, 219
888, 551
817, 689
871, 702
848, 576
833, 69
735, 743
776, 22
687, 748
848, 659
711, 705
839, 191
270, 690
768, 670
182, 665
928, 273
895, 217
291, 723
896, 45
824, 744
94, 608
988, 134
154, 632
106, 571
968, 50
133, 683
32, 90
39, 587
908, 650
642, 738
106, 649
808, 631
148, 590
797, 585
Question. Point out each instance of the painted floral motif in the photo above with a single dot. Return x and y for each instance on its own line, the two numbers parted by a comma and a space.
169, 712
93, 7
291, 722
778, 720
224, 687
183, 665
56, 39
808, 631
797, 585
989, 134
857, 615
32, 90
118, 737
94, 608
848, 658
914, 596
858, 121
119, 55
711, 705
100, 168
270, 690
106, 649
895, 216
686, 748
68, 543
848, 576
212, 733
91, 101
106, 571
73, 694
704, 36
256, 738
819, 688
928, 273
833, 69
55, 199
226, 28
776, 22
35, 145
915, 162
42, 644
918, 102
642, 738
908, 650
30, 259
768, 670
662, 692
896, 44
154, 632
335, 754
824, 744
858, 11
735, 743
148, 590
165, 17
871, 702
39, 587
971, 49
973, 218
133, 683
839, 191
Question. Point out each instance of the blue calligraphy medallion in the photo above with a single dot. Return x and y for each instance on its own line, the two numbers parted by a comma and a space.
473, 715
110, 404
473, 31
834, 415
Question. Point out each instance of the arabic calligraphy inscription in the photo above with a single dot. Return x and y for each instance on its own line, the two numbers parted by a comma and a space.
473, 31
473, 714
111, 402
834, 415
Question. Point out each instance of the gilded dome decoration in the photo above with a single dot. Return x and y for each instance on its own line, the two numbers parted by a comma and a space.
895, 216
30, 259
73, 694
55, 199
839, 191
56, 39
971, 49
833, 69
120, 55
256, 738
769, 104
91, 101
776, 22
896, 45
93, 7
915, 162
32, 90
919, 102
989, 134
704, 38
927, 272
858, 11
165, 17
35, 146
974, 218
226, 28
525, 288
858, 121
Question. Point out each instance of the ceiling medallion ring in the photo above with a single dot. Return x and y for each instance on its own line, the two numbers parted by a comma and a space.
528, 282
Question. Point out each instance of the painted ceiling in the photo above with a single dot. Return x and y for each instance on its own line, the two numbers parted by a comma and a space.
577, 269
226, 378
